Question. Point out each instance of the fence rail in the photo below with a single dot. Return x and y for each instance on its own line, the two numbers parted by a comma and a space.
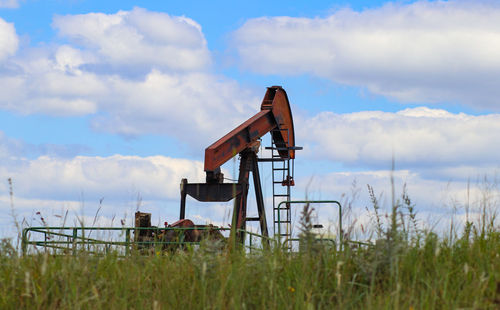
72, 239
340, 232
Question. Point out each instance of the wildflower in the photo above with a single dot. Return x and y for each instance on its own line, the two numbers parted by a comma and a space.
291, 289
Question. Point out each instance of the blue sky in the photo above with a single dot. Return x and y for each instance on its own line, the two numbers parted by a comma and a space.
33, 21
118, 99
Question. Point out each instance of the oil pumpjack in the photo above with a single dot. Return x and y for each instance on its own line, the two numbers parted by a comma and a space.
275, 117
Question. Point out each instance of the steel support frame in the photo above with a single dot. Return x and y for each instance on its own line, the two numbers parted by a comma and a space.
226, 191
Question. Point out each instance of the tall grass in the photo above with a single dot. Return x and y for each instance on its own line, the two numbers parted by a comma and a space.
431, 274
426, 272
404, 268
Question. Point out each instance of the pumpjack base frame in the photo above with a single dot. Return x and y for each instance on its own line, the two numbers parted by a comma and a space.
223, 192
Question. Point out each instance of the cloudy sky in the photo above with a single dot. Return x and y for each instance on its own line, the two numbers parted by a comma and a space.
106, 105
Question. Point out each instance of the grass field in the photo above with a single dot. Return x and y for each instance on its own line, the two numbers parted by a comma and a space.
401, 270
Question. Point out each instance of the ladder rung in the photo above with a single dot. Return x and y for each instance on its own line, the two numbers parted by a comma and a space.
275, 159
282, 222
252, 219
298, 148
280, 195
280, 169
284, 208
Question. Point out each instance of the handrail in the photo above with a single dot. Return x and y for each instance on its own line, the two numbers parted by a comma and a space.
74, 238
320, 202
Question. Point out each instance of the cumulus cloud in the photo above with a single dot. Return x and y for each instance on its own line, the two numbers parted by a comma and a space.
136, 72
155, 177
188, 106
436, 201
138, 38
191, 107
426, 194
50, 176
8, 39
418, 138
420, 52
86, 186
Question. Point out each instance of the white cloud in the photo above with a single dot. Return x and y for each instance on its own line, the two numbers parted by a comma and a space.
436, 203
418, 137
52, 185
438, 200
428, 194
424, 51
191, 107
136, 72
49, 82
84, 186
155, 177
53, 177
138, 38
186, 106
8, 39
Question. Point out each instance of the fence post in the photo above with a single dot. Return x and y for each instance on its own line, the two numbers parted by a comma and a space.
75, 236
24, 241
127, 241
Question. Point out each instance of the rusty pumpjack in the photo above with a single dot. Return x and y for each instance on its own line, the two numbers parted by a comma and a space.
275, 117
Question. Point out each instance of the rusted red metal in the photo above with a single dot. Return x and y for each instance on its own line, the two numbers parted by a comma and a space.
276, 99
238, 139
288, 181
275, 114
275, 117
193, 233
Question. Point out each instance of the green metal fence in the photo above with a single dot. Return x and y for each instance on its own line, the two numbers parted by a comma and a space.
340, 230
74, 239
70, 240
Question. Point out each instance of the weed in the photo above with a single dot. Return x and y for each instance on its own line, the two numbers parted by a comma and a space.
407, 267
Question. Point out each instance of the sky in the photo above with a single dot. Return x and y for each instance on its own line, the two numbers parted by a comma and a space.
106, 105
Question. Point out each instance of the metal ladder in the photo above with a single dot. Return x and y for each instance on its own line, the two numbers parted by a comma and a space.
282, 178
